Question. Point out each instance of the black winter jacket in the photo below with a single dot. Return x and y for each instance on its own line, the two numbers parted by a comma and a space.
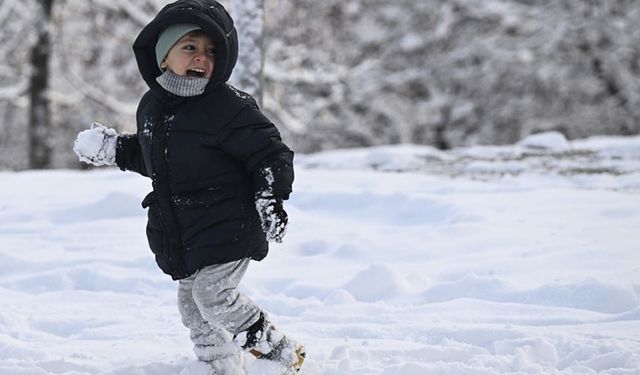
207, 156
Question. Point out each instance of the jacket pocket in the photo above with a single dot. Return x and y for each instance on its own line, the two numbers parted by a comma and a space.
209, 218
202, 198
149, 200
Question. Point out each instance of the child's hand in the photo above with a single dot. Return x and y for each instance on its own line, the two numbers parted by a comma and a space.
273, 216
97, 145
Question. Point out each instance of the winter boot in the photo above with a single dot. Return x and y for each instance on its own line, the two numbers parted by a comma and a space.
224, 366
264, 341
198, 368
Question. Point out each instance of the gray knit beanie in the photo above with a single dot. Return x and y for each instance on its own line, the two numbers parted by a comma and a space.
169, 37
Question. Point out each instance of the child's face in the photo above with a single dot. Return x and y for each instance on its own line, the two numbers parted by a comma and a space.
192, 56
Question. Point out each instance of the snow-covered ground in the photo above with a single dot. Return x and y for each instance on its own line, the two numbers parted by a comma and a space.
399, 260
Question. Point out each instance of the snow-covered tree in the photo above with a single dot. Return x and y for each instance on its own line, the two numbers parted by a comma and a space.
39, 108
347, 73
86, 73
97, 77
451, 73
248, 17
18, 20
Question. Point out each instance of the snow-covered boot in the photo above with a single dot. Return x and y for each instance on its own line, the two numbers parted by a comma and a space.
223, 366
264, 341
228, 366
220, 359
198, 368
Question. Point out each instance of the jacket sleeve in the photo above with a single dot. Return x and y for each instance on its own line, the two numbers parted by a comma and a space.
252, 139
128, 155
128, 151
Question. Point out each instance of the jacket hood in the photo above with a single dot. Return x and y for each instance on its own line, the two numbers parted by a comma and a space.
211, 16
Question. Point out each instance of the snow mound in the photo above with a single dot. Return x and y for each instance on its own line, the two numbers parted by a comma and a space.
550, 141
386, 158
633, 314
339, 297
378, 282
592, 295
469, 286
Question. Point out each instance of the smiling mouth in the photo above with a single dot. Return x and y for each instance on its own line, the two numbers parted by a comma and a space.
196, 72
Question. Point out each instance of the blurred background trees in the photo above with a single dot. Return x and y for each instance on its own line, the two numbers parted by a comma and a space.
339, 73
452, 73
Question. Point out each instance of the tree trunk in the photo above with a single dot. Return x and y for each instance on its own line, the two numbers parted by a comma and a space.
248, 16
39, 111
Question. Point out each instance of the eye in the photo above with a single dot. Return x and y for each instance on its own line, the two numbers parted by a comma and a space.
211, 51
189, 47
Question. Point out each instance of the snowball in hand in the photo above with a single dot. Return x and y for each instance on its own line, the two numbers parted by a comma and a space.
89, 142
97, 145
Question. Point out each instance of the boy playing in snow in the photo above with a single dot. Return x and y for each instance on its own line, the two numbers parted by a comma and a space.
219, 172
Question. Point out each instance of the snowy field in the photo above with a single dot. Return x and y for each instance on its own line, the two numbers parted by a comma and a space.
398, 261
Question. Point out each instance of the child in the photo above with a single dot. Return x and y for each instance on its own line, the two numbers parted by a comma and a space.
219, 172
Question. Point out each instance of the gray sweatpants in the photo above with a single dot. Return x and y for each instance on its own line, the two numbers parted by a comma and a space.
213, 309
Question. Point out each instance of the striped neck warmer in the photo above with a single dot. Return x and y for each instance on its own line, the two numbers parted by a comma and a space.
181, 85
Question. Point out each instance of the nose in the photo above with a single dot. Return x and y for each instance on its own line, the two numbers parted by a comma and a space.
202, 56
